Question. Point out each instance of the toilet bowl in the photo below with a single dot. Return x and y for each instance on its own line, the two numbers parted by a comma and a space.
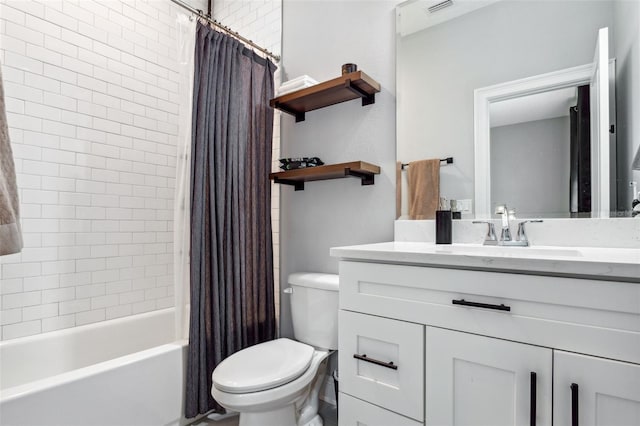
277, 383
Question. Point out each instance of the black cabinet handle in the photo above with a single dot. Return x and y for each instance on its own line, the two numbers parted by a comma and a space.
364, 357
574, 404
534, 402
501, 307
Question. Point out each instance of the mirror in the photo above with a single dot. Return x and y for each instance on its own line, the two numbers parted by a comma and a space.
445, 56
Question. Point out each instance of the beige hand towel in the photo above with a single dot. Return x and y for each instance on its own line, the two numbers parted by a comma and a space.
423, 181
10, 234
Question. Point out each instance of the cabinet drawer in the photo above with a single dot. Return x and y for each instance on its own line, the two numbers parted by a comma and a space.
578, 315
365, 343
354, 412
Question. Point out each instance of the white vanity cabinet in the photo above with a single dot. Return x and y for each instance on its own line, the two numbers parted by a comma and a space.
484, 347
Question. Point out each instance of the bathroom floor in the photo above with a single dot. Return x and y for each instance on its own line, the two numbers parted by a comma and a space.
328, 413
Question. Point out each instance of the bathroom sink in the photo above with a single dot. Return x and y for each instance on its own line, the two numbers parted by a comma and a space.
481, 250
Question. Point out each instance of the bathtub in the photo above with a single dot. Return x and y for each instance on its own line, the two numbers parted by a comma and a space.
127, 371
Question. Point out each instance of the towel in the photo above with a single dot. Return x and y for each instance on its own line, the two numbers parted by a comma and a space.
423, 181
10, 234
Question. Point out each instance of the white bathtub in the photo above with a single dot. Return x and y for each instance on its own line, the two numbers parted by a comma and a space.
120, 372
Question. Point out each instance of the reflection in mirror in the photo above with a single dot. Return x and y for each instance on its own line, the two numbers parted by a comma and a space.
442, 59
533, 133
505, 147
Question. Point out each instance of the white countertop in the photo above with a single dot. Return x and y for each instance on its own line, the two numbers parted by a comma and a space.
618, 264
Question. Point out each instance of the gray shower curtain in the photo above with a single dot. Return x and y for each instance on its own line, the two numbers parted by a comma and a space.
232, 299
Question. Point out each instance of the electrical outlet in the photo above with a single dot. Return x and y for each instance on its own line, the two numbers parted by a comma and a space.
465, 205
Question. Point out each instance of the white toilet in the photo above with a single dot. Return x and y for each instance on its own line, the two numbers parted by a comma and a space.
277, 383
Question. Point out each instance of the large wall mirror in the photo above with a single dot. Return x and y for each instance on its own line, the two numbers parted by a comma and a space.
514, 91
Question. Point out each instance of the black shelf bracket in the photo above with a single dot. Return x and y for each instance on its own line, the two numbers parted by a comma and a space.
300, 116
297, 184
366, 178
367, 99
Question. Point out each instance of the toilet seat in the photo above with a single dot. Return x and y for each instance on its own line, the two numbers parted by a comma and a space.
263, 366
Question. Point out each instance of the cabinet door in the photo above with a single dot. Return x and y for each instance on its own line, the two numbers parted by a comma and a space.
595, 391
482, 381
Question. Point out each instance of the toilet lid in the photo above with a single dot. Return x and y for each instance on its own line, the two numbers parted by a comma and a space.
263, 366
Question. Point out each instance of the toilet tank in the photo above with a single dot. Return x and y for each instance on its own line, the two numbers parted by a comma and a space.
314, 308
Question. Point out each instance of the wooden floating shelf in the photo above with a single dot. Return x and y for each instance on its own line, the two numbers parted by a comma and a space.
298, 177
349, 86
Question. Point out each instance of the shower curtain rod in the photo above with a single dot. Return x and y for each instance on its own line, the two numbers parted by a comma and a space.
228, 30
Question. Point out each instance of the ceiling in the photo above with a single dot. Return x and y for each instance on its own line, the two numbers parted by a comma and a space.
539, 106
414, 16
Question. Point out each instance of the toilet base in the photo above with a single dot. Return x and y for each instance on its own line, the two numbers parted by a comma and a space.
316, 421
284, 416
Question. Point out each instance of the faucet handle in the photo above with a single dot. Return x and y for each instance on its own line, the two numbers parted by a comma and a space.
522, 235
490, 238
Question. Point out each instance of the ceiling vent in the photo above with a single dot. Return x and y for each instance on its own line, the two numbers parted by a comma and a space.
439, 6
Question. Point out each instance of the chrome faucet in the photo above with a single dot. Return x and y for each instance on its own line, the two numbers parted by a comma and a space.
505, 234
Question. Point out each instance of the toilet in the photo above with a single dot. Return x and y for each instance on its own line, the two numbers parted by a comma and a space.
277, 383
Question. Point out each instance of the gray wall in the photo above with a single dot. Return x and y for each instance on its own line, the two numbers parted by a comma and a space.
502, 42
538, 153
627, 52
318, 37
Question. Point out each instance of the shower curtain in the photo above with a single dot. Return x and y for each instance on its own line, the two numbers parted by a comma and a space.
232, 296
182, 204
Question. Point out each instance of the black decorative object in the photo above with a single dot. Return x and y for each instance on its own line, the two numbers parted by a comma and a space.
299, 163
444, 225
347, 68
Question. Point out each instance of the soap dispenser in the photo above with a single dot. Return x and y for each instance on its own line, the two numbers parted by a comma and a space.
444, 223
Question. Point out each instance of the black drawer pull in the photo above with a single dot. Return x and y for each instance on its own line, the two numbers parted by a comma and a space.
501, 307
364, 357
574, 405
533, 405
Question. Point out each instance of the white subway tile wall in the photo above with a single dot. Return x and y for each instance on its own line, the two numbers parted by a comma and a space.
261, 21
91, 90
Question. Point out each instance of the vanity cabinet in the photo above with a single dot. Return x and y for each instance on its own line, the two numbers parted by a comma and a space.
486, 348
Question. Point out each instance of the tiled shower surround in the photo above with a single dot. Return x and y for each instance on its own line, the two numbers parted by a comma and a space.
92, 100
